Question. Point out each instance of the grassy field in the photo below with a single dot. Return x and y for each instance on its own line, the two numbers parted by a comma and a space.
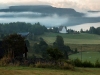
89, 56
41, 71
85, 47
88, 42
85, 42
73, 38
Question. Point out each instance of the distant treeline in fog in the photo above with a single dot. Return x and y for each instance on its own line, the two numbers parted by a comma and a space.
37, 28
17, 27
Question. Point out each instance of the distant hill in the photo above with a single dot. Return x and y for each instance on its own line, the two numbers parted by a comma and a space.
93, 11
43, 9
74, 17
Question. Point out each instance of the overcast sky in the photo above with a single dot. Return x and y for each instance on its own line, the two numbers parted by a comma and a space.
80, 5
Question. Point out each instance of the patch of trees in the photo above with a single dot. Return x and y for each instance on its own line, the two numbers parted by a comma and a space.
14, 46
92, 30
78, 63
55, 52
16, 27
54, 30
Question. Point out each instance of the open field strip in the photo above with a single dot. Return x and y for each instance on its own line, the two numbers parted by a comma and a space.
89, 56
73, 38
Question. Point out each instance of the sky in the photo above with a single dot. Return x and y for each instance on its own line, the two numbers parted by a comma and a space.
79, 5
54, 20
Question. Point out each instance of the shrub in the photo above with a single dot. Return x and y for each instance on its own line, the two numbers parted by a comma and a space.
5, 61
87, 64
97, 64
77, 62
59, 65
66, 66
43, 65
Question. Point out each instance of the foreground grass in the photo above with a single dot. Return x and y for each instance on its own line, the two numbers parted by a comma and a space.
41, 71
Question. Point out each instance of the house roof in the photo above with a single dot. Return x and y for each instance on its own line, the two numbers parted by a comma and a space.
61, 27
23, 34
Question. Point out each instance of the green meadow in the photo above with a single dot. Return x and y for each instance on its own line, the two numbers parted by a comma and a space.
89, 56
84, 41
82, 38
89, 44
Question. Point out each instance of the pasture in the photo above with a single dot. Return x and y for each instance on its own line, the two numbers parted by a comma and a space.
89, 56
88, 42
41, 71
82, 38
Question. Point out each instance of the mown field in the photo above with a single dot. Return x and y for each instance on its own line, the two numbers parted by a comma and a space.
84, 41
89, 56
82, 38
41, 71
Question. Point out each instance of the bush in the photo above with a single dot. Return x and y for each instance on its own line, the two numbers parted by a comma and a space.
59, 65
43, 65
87, 64
66, 66
77, 62
97, 64
5, 61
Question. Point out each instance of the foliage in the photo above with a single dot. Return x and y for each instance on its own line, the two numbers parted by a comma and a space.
54, 66
55, 54
94, 30
27, 43
5, 61
16, 27
41, 47
76, 51
14, 45
77, 62
54, 30
59, 41
97, 64
87, 64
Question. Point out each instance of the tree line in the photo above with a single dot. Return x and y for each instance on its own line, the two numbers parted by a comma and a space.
92, 30
17, 27
54, 52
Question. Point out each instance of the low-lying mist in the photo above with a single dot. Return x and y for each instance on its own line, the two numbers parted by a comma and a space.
33, 17
50, 20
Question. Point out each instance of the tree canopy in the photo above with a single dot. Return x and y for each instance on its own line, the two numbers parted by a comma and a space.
55, 54
14, 45
16, 27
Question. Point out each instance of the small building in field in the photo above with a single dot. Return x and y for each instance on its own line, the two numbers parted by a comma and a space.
63, 29
25, 34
